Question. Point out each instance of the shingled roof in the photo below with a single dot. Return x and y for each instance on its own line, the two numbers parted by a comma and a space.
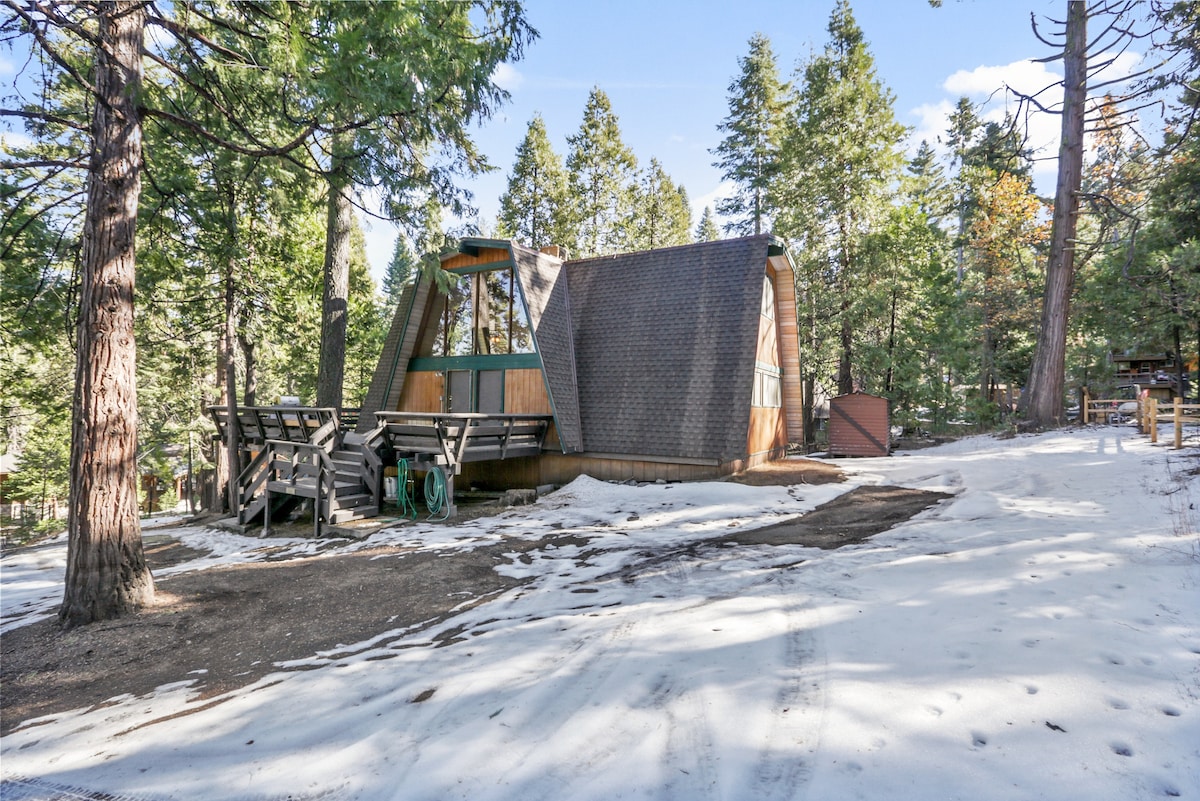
544, 287
646, 354
664, 347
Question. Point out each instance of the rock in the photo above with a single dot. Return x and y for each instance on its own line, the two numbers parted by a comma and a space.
518, 497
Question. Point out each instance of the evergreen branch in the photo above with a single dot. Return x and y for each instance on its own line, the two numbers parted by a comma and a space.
186, 34
45, 44
44, 117
204, 133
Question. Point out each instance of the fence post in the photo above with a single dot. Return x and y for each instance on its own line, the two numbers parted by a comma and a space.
1153, 420
1178, 423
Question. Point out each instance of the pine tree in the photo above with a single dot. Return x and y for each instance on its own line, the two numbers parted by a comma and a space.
662, 214
707, 230
401, 269
534, 209
841, 164
601, 172
749, 154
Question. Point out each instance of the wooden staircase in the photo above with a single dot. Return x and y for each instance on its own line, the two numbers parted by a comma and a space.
314, 459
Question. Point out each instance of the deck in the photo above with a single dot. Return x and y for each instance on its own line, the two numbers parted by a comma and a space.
290, 453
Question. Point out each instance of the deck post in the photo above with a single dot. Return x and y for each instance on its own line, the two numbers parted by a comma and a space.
317, 499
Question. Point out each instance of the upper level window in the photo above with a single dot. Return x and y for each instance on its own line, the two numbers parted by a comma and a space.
483, 316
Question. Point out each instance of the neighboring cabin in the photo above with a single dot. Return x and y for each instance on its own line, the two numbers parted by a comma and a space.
677, 363
1156, 373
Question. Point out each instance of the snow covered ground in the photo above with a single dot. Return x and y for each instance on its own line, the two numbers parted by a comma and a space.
1037, 636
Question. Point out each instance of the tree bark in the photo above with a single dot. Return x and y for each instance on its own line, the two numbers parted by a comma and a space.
1044, 399
250, 358
233, 432
335, 297
106, 572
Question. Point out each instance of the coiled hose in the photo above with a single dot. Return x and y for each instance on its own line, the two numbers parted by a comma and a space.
435, 495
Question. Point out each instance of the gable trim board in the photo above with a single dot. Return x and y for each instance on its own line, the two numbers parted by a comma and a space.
645, 357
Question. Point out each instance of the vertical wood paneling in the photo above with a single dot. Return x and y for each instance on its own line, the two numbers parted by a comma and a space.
422, 392
789, 350
525, 392
768, 430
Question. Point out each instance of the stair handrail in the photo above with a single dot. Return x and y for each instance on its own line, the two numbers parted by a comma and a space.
251, 481
326, 477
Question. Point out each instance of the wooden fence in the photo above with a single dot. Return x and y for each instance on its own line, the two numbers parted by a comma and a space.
1147, 412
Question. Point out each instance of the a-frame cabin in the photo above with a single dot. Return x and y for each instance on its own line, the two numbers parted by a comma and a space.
676, 363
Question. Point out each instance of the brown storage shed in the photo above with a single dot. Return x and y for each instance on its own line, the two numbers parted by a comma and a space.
859, 425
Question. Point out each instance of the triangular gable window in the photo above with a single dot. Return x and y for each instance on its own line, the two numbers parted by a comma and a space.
483, 315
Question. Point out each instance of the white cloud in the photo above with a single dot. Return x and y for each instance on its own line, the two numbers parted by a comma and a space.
932, 123
507, 77
1026, 76
723, 190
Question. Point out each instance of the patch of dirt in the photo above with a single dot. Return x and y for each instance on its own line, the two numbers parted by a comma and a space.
853, 517
228, 627
787, 472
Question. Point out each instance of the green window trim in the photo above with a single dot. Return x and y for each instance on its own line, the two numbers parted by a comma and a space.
507, 361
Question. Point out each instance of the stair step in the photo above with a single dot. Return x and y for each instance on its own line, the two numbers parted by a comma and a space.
351, 501
357, 513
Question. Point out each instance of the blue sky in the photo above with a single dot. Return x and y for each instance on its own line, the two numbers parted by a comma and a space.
666, 66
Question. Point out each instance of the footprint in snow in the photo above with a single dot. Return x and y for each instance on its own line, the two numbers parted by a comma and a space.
1121, 749
1117, 703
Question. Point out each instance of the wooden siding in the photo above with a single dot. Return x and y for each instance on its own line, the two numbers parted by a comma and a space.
422, 392
789, 348
525, 392
560, 469
768, 341
768, 431
485, 256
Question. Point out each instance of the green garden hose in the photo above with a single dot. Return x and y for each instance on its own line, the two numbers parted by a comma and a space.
435, 494
404, 491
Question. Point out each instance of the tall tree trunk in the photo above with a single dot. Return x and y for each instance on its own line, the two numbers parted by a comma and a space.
335, 300
808, 414
845, 377
890, 376
1047, 376
106, 572
250, 357
217, 500
233, 434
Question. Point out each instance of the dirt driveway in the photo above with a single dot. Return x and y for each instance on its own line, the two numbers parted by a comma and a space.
228, 627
